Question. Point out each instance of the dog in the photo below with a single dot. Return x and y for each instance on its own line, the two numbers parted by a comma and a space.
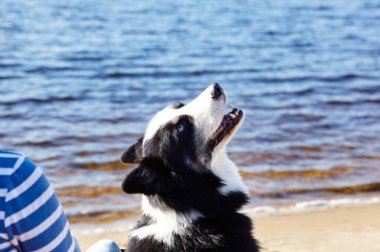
191, 191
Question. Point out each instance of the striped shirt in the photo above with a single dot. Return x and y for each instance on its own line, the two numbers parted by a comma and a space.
31, 217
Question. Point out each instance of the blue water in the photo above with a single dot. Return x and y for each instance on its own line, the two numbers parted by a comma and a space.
80, 79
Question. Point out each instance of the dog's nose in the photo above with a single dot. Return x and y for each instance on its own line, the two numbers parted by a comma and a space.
217, 91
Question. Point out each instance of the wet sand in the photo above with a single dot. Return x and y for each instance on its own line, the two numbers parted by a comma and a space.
341, 229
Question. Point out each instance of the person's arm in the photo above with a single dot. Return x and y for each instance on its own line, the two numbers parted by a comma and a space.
34, 219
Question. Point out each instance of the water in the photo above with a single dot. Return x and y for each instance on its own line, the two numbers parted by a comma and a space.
80, 79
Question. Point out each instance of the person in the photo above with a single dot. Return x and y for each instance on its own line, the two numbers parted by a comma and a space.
31, 217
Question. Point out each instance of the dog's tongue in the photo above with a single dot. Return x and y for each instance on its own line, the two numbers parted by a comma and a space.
226, 119
229, 117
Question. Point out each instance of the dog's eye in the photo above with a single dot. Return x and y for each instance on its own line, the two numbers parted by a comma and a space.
184, 125
181, 127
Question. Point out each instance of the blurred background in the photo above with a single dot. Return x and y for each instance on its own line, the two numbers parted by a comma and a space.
79, 80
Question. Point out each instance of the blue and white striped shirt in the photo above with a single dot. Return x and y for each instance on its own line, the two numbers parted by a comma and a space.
31, 217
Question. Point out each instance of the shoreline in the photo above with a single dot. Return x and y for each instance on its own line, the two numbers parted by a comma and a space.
354, 228
343, 228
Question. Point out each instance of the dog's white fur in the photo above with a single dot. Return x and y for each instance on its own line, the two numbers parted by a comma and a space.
224, 168
208, 114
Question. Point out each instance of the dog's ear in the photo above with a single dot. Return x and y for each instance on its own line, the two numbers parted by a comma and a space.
150, 177
133, 154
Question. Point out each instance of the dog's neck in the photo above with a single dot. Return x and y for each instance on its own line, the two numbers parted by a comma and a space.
225, 169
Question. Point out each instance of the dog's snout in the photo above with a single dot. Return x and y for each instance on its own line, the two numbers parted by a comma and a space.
217, 91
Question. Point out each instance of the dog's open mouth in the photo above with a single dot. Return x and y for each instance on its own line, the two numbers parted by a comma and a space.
230, 120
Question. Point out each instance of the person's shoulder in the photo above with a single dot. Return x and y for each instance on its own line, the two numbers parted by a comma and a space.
10, 162
10, 154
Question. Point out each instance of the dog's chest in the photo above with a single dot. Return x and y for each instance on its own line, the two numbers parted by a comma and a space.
158, 237
169, 230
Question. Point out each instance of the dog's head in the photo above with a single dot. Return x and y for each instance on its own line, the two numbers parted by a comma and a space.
181, 139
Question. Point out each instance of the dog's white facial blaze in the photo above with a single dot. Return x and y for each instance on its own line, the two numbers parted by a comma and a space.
206, 112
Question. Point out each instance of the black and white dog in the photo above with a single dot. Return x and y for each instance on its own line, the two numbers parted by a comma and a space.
192, 192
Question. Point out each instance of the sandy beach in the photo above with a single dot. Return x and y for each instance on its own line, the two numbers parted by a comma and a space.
337, 229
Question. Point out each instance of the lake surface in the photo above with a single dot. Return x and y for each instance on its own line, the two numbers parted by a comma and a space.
80, 79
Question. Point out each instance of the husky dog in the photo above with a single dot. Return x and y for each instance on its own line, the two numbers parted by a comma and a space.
192, 192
